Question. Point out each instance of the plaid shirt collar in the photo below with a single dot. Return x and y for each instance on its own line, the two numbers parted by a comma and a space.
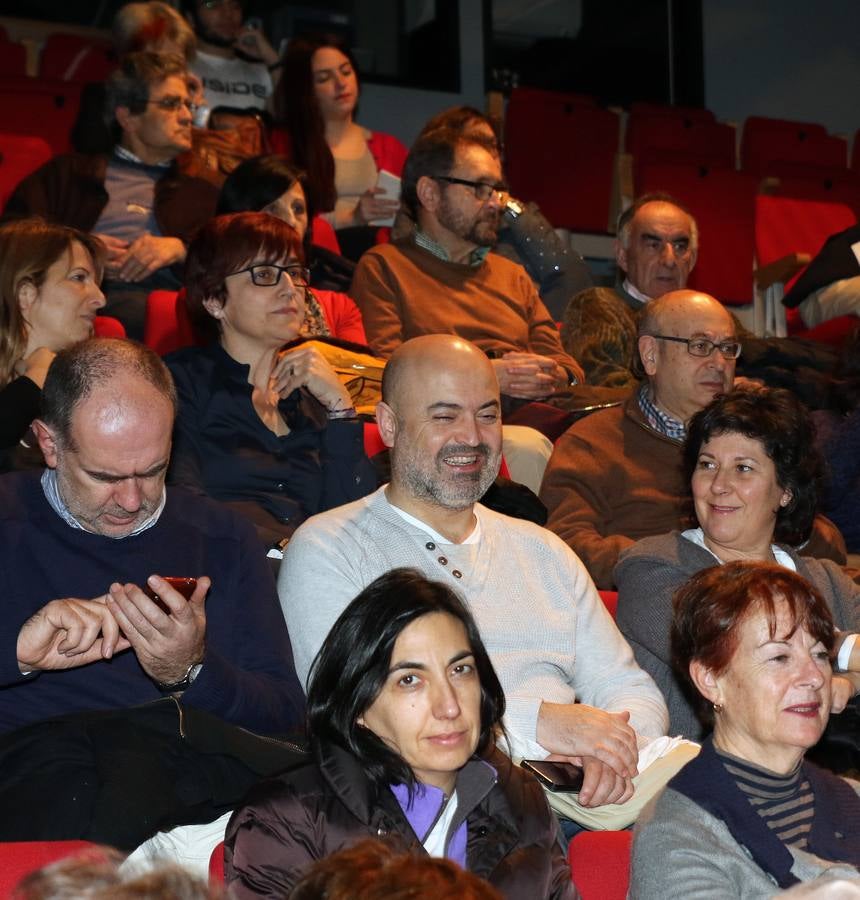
660, 421
478, 255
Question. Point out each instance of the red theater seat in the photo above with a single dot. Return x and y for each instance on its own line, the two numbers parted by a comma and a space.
72, 57
600, 864
19, 858
19, 156
108, 326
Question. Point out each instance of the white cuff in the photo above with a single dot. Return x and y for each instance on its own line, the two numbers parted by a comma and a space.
845, 652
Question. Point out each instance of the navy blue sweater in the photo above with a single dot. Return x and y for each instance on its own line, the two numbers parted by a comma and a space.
247, 676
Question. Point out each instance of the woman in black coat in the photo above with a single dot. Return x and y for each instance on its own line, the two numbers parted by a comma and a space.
403, 706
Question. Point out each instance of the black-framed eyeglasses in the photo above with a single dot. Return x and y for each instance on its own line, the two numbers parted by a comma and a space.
483, 190
269, 274
703, 347
172, 104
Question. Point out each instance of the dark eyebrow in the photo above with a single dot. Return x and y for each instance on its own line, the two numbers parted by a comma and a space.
110, 476
442, 404
406, 664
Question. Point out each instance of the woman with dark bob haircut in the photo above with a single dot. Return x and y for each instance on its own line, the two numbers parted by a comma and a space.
271, 184
403, 710
749, 817
754, 473
269, 430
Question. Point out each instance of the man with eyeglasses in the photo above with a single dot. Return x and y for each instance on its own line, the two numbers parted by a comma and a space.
143, 210
615, 477
442, 278
244, 80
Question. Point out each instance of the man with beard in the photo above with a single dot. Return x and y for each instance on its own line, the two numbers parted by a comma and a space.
243, 81
441, 279
549, 636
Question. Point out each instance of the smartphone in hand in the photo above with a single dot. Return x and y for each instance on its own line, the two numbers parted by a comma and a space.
185, 586
556, 776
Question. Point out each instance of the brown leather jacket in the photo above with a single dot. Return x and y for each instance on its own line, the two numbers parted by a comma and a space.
308, 813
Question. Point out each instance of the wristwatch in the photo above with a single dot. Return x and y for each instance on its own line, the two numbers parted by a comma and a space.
184, 683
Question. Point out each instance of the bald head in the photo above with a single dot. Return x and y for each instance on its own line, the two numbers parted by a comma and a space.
670, 327
415, 363
441, 416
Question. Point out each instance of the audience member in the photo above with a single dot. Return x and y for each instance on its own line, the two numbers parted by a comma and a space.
319, 94
830, 285
143, 211
838, 438
403, 707
754, 472
86, 750
271, 432
97, 874
237, 65
547, 631
656, 244
149, 25
271, 184
749, 817
524, 235
49, 296
441, 280
373, 870
615, 477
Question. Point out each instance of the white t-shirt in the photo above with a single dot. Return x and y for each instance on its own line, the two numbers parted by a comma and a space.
232, 82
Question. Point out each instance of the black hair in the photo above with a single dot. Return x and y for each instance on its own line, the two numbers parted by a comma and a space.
259, 181
434, 153
352, 666
781, 423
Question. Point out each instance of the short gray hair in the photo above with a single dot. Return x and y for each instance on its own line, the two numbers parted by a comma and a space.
625, 220
78, 369
130, 84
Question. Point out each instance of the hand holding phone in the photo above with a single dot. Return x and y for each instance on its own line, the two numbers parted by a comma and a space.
185, 586
556, 776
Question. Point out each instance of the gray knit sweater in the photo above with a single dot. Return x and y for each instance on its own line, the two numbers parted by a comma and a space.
546, 629
682, 852
649, 573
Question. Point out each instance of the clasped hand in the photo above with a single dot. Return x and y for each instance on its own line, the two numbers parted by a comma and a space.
73, 632
306, 367
603, 743
528, 376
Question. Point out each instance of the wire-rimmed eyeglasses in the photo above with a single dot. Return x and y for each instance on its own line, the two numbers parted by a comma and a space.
703, 347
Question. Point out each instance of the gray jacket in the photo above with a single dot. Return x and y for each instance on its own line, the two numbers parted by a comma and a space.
649, 573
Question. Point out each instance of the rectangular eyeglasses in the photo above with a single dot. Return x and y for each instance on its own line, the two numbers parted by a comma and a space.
703, 347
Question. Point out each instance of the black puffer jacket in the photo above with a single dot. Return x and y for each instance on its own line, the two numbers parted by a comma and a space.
290, 822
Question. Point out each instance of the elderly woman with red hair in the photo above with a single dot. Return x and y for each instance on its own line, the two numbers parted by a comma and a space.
263, 425
749, 817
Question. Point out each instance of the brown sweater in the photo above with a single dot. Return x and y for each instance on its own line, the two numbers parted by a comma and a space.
612, 480
404, 291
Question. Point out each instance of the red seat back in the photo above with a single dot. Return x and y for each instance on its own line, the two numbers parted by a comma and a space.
610, 601
216, 865
600, 864
45, 109
13, 58
786, 225
560, 153
323, 235
167, 325
19, 858
108, 326
73, 57
769, 144
19, 156
723, 203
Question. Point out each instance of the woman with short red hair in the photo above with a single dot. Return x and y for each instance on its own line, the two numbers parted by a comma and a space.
264, 425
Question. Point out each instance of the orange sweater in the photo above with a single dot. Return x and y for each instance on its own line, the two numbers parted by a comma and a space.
404, 291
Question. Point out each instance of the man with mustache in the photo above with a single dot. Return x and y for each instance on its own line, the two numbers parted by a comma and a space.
93, 741
133, 199
549, 636
442, 279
